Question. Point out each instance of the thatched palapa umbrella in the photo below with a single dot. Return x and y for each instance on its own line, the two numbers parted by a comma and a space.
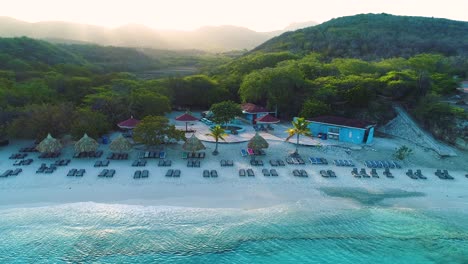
193, 144
86, 144
120, 144
257, 142
49, 145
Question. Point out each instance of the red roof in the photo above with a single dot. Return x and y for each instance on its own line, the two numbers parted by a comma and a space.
186, 118
129, 123
341, 121
267, 119
253, 109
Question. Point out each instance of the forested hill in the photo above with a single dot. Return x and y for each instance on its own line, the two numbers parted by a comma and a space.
375, 36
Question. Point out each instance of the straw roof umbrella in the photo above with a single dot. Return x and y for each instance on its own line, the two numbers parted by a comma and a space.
120, 144
86, 144
193, 144
257, 142
49, 145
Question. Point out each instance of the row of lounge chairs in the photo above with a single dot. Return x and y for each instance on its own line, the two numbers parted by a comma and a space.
443, 175
49, 155
300, 173
11, 173
373, 173
344, 163
46, 169
118, 156
378, 164
193, 155
251, 152
416, 175
18, 155
63, 162
76, 173
206, 121
139, 163
227, 163
271, 172
152, 155
208, 173
23, 162
164, 163
141, 174
328, 174
101, 163
88, 154
248, 172
295, 160
256, 162
262, 127
276, 163
193, 163
318, 161
105, 173
28, 149
173, 173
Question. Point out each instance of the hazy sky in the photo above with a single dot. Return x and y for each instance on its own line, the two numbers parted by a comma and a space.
259, 15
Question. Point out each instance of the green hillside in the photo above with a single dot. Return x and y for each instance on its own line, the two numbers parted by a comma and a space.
374, 36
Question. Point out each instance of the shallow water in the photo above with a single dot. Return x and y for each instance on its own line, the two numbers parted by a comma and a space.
292, 233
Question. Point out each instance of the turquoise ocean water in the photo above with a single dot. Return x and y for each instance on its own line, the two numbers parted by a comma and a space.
290, 233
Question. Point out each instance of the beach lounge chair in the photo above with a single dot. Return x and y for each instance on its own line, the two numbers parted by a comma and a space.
447, 175
162, 164
281, 163
135, 163
304, 173
355, 173
419, 174
336, 163
244, 153
273, 172
142, 163
229, 163
387, 173
274, 163
184, 155
374, 173
331, 174
169, 173
72, 172
312, 160
6, 173
363, 173
196, 164
206, 173
250, 173
137, 174
176, 173
223, 163
214, 173
296, 173
167, 163
144, 173
105, 163
162, 155
266, 172
397, 165
289, 160
410, 174
110, 173
242, 172
41, 169
250, 151
49, 170
103, 173
80, 173
324, 173
323, 161
97, 163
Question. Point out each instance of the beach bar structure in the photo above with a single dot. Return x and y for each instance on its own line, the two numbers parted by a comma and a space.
342, 129
252, 112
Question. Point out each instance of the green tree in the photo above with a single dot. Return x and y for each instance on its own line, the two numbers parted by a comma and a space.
155, 130
402, 152
217, 132
90, 122
300, 127
145, 103
224, 112
313, 108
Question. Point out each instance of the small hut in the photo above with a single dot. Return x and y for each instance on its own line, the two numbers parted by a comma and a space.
120, 144
193, 144
130, 123
49, 145
257, 143
86, 144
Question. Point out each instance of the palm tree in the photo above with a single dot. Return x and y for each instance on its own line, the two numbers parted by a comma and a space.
217, 132
300, 127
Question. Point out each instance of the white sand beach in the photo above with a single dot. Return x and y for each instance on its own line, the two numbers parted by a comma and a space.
229, 190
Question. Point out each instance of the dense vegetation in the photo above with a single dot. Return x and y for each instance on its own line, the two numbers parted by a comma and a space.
375, 36
42, 88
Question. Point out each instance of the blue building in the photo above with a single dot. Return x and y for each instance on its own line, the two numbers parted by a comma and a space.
252, 112
342, 129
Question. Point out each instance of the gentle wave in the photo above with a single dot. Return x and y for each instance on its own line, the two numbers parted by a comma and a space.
293, 233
